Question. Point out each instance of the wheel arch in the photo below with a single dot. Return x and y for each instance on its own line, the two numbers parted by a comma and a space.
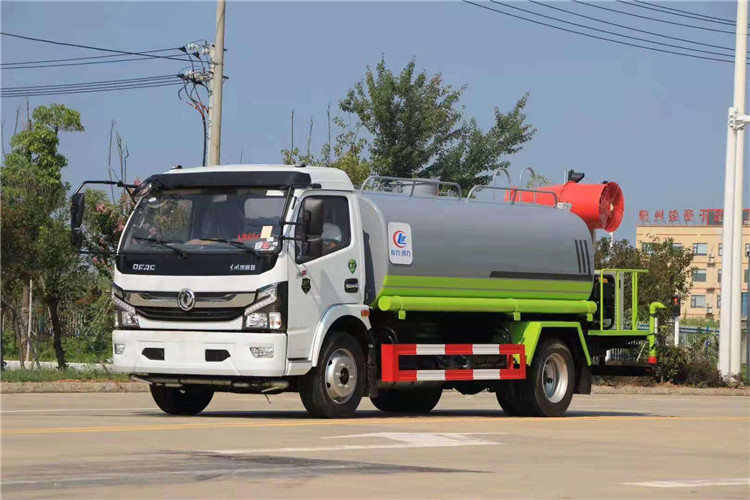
347, 318
531, 333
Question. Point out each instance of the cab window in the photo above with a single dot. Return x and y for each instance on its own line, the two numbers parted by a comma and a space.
336, 228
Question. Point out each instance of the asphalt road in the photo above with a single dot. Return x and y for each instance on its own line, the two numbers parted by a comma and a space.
615, 446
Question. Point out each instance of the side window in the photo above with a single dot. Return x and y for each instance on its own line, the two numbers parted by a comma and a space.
336, 228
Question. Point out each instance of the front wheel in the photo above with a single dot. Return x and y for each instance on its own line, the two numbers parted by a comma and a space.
407, 401
334, 388
182, 401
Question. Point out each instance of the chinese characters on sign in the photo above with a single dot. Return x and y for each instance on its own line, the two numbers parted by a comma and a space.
705, 217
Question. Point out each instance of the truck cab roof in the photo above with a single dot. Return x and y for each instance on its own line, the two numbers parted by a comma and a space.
255, 175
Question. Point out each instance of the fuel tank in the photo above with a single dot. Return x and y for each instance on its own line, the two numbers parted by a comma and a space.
443, 247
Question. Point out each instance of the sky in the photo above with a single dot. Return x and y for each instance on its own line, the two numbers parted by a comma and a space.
654, 123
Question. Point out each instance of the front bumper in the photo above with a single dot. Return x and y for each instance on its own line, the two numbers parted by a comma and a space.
185, 353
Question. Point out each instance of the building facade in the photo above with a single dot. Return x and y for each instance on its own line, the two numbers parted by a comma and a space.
700, 231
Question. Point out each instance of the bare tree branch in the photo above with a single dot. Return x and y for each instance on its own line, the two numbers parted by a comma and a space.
109, 159
309, 137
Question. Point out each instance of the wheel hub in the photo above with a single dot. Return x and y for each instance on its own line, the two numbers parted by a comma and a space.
341, 376
555, 378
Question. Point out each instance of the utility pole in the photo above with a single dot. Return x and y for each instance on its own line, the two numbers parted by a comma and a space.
217, 82
730, 336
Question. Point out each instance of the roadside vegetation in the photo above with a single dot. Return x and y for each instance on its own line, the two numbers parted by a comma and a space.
56, 375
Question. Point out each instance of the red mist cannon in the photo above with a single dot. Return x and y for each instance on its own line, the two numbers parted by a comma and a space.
601, 206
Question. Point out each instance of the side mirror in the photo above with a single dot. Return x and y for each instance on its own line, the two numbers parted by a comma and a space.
77, 204
313, 214
313, 247
312, 218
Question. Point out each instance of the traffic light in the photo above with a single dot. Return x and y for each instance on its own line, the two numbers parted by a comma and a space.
676, 306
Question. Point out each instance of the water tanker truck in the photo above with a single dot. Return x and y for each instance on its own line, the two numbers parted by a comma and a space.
265, 279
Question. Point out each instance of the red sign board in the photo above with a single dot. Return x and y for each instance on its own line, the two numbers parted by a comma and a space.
688, 217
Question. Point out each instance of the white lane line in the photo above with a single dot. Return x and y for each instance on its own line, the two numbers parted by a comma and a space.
75, 409
694, 483
403, 440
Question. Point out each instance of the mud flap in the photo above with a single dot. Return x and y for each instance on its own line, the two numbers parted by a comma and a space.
583, 379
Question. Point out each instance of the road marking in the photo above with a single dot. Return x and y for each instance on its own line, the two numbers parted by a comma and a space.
694, 483
403, 440
77, 409
360, 421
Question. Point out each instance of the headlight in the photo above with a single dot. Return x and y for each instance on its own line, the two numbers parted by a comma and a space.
266, 312
125, 315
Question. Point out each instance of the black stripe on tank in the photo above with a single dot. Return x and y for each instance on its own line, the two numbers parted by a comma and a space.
588, 259
578, 255
540, 276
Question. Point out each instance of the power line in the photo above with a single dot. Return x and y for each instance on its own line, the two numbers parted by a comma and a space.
95, 83
125, 52
595, 36
686, 12
66, 59
79, 63
631, 28
657, 8
652, 18
92, 90
609, 32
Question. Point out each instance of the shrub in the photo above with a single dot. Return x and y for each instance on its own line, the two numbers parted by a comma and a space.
703, 374
672, 365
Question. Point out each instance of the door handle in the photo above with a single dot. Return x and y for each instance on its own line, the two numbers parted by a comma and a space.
351, 285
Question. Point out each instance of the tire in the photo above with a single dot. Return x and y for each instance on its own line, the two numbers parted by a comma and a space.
507, 394
548, 388
334, 388
407, 401
185, 401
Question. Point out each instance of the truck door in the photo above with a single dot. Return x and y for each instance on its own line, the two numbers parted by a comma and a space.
336, 277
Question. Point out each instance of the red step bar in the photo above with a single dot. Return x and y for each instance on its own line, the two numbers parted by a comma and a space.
390, 353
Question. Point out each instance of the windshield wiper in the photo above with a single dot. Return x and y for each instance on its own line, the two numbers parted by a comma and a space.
234, 243
166, 244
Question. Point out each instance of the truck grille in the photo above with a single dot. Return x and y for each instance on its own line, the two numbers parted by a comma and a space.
203, 314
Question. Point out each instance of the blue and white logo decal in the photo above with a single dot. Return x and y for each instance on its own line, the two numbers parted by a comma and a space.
399, 243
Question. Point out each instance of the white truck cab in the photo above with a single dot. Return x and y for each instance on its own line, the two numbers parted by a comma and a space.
195, 307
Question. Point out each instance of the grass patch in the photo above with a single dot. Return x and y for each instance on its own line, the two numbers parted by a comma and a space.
55, 375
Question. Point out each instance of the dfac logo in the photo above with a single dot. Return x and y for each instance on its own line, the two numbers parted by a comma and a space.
144, 267
399, 239
400, 243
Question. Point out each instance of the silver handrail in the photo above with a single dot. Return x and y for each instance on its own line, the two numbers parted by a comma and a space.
414, 183
494, 176
480, 187
533, 179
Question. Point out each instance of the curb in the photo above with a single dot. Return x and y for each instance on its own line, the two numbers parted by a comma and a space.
670, 390
40, 387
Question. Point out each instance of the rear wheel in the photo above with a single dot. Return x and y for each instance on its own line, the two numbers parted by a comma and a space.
407, 401
182, 401
334, 388
548, 388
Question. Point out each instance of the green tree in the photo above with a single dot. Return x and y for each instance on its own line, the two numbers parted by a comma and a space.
418, 129
669, 269
411, 117
33, 191
62, 278
349, 150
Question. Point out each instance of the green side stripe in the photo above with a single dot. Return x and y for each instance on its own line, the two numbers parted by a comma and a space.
478, 293
473, 304
487, 283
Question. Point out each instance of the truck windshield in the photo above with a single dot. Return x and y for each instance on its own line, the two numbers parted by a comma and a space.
204, 219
